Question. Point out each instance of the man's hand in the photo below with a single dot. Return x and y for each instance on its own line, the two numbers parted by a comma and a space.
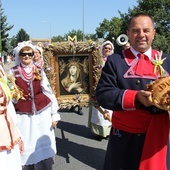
142, 98
106, 115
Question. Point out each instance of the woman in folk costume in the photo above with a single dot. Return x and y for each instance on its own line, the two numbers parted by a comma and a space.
35, 111
38, 56
11, 145
98, 124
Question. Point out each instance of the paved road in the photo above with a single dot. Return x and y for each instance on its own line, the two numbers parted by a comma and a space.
76, 145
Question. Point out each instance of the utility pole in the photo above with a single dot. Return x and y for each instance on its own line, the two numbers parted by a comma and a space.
83, 19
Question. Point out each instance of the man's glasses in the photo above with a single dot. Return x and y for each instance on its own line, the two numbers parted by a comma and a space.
24, 54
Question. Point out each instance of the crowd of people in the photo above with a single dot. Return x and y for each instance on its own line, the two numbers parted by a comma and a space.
137, 132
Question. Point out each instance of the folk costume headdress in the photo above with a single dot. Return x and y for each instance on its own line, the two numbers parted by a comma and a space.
105, 43
17, 49
39, 63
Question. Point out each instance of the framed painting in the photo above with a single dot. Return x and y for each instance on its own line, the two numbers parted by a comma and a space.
73, 70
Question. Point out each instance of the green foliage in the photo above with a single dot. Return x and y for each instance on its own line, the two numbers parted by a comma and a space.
4, 28
13, 41
57, 39
22, 36
72, 33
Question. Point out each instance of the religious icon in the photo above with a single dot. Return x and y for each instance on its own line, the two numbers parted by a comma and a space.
74, 75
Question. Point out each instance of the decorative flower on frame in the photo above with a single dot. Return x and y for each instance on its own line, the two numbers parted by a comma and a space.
158, 64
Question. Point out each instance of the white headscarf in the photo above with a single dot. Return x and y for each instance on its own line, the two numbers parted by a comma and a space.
40, 49
18, 48
108, 42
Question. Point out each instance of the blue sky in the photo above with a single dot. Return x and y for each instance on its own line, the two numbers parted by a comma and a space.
45, 18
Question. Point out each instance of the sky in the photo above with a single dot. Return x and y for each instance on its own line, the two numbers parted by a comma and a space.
48, 18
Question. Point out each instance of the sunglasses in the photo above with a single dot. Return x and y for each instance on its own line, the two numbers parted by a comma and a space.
24, 54
107, 48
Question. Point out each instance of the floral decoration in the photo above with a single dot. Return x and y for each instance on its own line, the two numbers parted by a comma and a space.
37, 74
158, 64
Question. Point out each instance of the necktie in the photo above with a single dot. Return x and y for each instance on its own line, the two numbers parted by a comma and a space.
144, 65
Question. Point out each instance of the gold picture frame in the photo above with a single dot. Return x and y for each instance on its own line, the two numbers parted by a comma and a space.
86, 58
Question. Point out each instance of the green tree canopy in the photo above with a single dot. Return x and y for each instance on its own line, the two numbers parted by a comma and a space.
22, 36
4, 28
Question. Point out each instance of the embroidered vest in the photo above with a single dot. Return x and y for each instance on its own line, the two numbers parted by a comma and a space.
35, 101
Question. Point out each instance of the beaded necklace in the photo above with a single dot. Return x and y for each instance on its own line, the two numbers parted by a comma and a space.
28, 75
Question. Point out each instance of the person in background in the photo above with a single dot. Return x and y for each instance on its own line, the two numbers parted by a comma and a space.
126, 46
97, 123
139, 134
9, 58
36, 112
38, 57
11, 145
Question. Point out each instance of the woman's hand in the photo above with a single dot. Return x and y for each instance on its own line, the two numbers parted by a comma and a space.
54, 124
21, 146
76, 86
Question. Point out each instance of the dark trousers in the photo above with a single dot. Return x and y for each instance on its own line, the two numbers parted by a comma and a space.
123, 151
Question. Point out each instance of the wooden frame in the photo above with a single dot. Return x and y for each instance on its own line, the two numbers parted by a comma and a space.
59, 57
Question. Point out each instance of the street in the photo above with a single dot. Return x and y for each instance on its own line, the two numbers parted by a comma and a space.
76, 145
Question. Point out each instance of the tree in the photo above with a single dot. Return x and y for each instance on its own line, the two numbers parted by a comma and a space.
22, 36
13, 42
110, 30
4, 28
103, 30
92, 37
72, 33
57, 39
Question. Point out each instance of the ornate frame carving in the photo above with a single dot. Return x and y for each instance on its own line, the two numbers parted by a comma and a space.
57, 58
